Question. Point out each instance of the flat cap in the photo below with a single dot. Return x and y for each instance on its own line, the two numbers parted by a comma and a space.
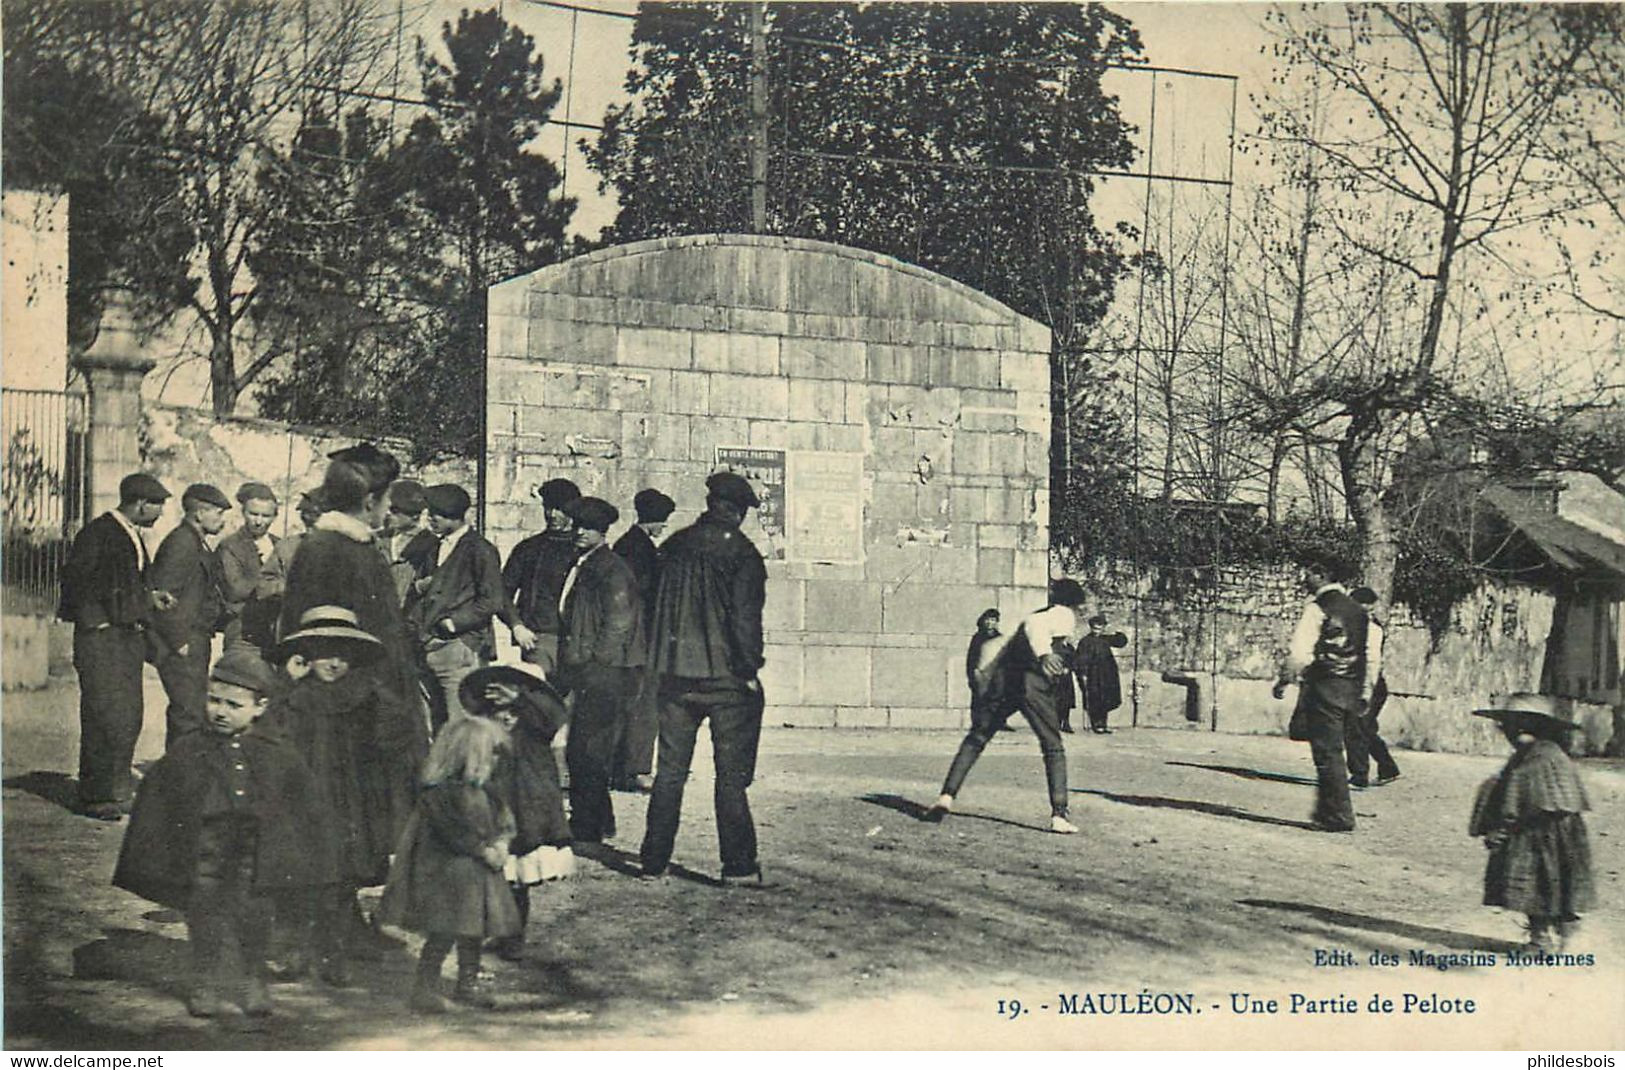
594, 513
732, 487
557, 493
207, 493
652, 506
381, 466
1365, 596
406, 495
140, 487
447, 499
242, 665
1066, 592
255, 492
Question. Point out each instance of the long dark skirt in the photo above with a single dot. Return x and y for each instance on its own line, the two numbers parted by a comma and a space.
1543, 869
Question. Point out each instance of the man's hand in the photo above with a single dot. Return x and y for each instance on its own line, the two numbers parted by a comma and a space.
754, 686
163, 600
501, 695
1052, 665
523, 637
495, 856
446, 627
182, 650
1279, 690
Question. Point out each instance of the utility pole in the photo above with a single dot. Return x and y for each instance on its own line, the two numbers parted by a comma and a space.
758, 117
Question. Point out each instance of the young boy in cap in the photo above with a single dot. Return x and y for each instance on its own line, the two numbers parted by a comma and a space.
408, 546
635, 753
242, 555
533, 576
450, 609
600, 653
106, 596
187, 568
225, 824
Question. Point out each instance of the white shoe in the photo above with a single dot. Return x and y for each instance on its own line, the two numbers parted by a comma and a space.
941, 809
1057, 823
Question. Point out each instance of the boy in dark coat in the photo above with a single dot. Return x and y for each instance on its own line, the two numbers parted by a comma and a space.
225, 823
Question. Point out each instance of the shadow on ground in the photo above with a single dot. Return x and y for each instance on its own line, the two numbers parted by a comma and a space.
1249, 774
59, 789
910, 808
1422, 934
1215, 809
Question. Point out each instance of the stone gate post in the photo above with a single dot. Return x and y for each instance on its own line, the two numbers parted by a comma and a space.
114, 367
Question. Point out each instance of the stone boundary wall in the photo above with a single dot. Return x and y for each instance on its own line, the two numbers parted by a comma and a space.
628, 367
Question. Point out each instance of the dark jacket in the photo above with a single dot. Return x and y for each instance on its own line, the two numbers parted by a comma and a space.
415, 560
707, 621
642, 556
537, 799
601, 615
190, 571
1340, 650
534, 576
1096, 668
102, 582
240, 567
294, 846
466, 588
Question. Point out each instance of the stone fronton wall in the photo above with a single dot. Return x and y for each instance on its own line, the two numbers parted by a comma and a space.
627, 368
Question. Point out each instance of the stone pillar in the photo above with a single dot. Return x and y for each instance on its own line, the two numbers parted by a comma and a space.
113, 368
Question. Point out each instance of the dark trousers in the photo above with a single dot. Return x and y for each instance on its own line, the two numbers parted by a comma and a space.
640, 731
228, 922
186, 682
109, 662
1098, 715
1326, 706
1365, 743
599, 698
1038, 695
735, 713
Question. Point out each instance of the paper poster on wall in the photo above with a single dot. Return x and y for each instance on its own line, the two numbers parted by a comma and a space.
824, 507
765, 469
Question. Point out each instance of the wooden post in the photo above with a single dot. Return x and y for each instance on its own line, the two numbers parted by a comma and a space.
758, 118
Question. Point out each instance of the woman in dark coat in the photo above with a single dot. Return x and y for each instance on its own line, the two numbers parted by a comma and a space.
541, 848
446, 881
338, 564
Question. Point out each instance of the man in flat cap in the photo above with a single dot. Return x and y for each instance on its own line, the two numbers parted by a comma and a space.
533, 577
705, 651
635, 752
106, 596
187, 568
450, 609
273, 579
408, 545
600, 653
242, 554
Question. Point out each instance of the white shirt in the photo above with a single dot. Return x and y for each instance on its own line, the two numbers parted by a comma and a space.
135, 537
1046, 625
1373, 653
1301, 653
570, 579
263, 546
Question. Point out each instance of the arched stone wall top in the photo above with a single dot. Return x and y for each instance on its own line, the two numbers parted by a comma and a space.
772, 273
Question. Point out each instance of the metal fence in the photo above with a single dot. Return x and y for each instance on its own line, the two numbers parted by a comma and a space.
44, 483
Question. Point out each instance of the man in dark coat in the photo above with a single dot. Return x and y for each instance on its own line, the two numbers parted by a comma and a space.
1095, 666
187, 569
599, 657
705, 651
224, 824
106, 596
450, 609
533, 577
1327, 657
242, 555
635, 753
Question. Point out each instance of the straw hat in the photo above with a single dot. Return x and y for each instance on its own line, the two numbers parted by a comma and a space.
330, 630
524, 676
1538, 713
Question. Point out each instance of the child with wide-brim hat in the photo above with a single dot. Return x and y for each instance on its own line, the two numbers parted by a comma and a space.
1529, 818
520, 697
335, 718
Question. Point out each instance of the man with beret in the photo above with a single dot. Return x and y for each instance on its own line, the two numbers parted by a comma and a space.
187, 568
533, 577
705, 651
105, 595
408, 545
450, 609
599, 655
242, 554
635, 752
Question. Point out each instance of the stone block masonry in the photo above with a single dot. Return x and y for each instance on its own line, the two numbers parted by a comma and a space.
631, 366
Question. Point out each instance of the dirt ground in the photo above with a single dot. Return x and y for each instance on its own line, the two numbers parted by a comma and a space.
1195, 886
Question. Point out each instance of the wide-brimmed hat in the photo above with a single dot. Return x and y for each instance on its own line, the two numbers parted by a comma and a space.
330, 628
526, 677
1537, 712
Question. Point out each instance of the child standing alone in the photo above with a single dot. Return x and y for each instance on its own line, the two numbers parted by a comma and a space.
446, 881
225, 825
1529, 817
